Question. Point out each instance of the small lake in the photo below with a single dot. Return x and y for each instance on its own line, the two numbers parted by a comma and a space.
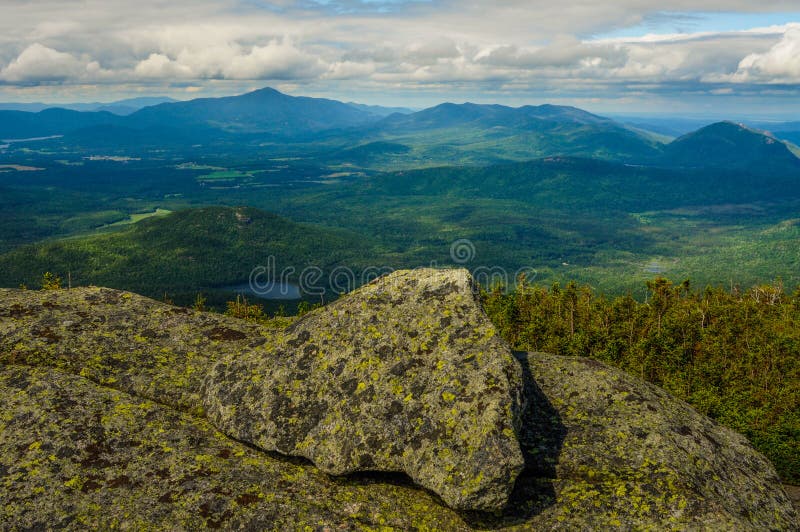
654, 267
32, 139
273, 291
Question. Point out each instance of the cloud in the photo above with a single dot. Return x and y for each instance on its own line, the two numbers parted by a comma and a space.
779, 65
160, 66
276, 60
517, 46
38, 63
349, 70
564, 51
431, 52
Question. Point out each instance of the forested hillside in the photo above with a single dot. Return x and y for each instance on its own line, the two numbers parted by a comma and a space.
186, 252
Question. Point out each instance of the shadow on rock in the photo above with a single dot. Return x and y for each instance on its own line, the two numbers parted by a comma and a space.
541, 438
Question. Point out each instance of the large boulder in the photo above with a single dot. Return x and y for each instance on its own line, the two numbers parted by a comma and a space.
75, 455
406, 374
620, 452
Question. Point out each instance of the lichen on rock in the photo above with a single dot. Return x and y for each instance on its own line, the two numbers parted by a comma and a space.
406, 374
102, 424
78, 456
624, 453
119, 339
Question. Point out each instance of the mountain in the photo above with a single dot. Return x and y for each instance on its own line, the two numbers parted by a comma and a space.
119, 107
21, 125
380, 110
338, 133
783, 130
730, 145
25, 107
264, 111
128, 105
590, 185
486, 116
667, 126
191, 250
491, 133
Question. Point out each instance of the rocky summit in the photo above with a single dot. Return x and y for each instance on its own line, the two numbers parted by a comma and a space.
117, 411
405, 374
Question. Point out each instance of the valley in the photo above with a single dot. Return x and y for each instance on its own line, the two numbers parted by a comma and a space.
555, 191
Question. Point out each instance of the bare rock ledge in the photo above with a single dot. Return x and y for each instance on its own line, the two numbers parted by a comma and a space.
106, 397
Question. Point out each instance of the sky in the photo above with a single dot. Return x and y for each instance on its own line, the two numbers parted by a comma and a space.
701, 57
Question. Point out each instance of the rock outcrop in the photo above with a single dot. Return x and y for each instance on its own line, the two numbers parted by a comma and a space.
625, 453
78, 456
105, 398
403, 375
120, 339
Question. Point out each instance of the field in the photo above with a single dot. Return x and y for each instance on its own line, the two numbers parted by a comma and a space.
134, 218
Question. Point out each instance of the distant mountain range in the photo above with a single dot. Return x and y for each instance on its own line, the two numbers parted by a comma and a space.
55, 121
673, 127
445, 134
120, 107
264, 111
380, 110
590, 185
488, 116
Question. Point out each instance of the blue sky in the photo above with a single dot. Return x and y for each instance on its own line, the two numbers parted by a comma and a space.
696, 22
722, 58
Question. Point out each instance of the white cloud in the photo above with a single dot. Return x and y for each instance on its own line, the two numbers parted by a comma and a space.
563, 51
780, 64
431, 52
40, 63
160, 66
349, 70
517, 45
277, 60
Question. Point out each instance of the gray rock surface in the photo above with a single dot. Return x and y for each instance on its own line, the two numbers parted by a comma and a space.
405, 374
123, 340
102, 427
78, 456
623, 453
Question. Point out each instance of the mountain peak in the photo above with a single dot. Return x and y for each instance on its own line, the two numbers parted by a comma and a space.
268, 92
730, 144
265, 111
223, 391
